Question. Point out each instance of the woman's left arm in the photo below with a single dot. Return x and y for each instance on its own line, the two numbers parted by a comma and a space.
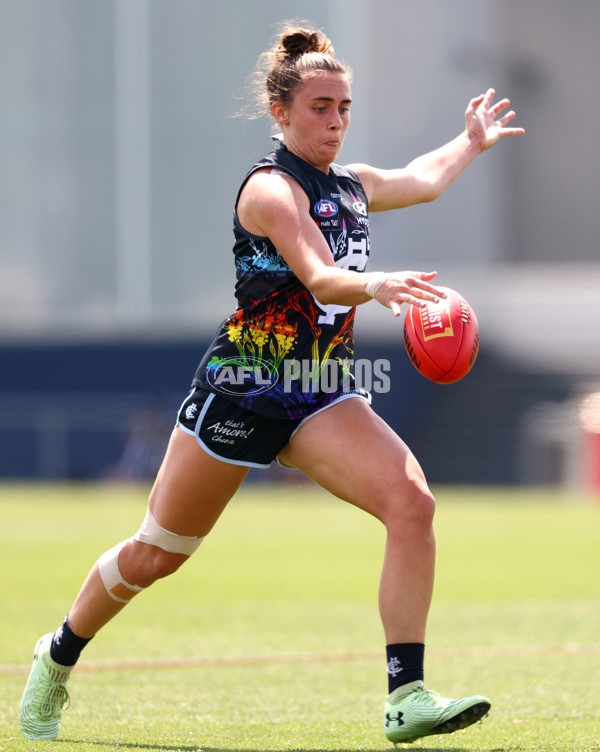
428, 176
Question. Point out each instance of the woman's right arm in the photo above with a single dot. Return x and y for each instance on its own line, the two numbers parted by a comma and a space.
275, 206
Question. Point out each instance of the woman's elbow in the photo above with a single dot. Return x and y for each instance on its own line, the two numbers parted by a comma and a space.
429, 191
323, 294
322, 287
326, 295
335, 286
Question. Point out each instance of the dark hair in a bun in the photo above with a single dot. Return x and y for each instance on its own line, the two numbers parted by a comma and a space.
296, 42
300, 50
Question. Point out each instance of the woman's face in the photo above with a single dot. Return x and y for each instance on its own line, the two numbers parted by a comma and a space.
316, 121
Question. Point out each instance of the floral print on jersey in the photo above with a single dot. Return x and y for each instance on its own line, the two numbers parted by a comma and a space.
262, 259
268, 338
282, 353
269, 332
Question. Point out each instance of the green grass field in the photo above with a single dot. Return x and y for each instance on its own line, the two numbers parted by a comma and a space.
269, 638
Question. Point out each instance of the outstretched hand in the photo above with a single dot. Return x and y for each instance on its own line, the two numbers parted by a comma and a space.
413, 288
484, 125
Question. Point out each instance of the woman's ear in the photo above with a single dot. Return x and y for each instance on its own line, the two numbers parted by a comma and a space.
280, 113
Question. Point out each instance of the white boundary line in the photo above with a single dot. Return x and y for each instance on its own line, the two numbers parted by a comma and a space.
261, 660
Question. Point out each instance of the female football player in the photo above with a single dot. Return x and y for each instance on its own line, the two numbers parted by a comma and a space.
301, 246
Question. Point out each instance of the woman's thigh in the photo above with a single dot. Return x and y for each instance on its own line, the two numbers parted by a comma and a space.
192, 488
352, 452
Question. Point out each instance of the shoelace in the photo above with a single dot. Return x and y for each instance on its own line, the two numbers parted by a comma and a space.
55, 698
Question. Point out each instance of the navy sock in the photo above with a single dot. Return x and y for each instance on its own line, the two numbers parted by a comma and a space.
66, 645
404, 663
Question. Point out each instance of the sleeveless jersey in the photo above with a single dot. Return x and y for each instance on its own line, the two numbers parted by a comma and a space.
281, 353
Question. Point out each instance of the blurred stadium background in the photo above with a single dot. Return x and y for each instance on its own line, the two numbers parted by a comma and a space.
120, 159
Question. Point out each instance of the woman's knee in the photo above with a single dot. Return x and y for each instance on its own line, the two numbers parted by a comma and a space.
146, 563
131, 566
155, 552
423, 507
164, 563
410, 508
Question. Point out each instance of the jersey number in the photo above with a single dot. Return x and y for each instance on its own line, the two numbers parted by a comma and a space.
355, 260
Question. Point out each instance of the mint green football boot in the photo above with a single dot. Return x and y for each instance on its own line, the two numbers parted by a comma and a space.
412, 711
45, 695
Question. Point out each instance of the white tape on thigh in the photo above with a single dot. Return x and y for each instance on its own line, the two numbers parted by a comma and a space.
119, 589
151, 532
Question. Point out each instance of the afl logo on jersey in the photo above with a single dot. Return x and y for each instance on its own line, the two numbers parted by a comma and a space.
325, 208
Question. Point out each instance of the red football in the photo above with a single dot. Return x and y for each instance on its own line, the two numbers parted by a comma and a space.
442, 339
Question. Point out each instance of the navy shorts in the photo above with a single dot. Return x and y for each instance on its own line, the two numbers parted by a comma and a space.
232, 434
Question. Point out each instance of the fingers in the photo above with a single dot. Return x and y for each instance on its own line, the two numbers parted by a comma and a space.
505, 119
417, 285
498, 107
488, 97
409, 287
419, 300
420, 281
474, 105
410, 300
491, 116
511, 132
485, 101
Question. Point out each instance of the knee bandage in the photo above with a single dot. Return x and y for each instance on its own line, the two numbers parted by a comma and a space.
119, 589
152, 533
